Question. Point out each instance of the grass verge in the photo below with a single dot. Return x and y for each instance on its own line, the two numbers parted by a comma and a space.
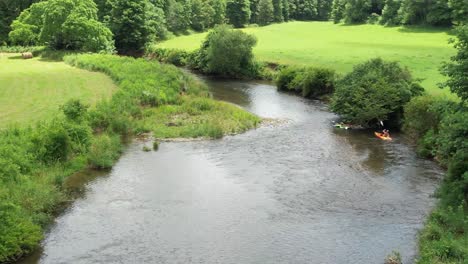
340, 47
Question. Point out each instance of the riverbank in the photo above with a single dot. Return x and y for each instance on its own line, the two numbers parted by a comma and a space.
36, 160
340, 47
270, 191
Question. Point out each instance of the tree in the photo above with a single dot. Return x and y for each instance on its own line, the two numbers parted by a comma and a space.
305, 9
456, 70
129, 22
278, 11
63, 24
338, 9
265, 12
357, 11
431, 12
9, 11
228, 52
459, 11
390, 14
219, 7
238, 12
285, 10
324, 9
202, 15
178, 15
27, 27
375, 90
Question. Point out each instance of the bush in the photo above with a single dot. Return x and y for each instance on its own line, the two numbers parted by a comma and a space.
74, 110
52, 143
228, 53
104, 151
19, 236
172, 56
373, 19
311, 82
375, 90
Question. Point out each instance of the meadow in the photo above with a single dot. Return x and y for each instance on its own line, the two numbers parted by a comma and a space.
34, 89
341, 47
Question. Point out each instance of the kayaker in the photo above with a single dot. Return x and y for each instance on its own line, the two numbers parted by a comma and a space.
386, 133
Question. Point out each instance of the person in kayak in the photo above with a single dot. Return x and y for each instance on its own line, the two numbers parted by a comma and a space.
386, 133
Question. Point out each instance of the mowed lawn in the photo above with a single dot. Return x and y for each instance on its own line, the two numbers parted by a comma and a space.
33, 90
340, 47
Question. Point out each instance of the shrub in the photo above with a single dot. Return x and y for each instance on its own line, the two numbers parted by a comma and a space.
375, 90
74, 110
19, 236
373, 18
52, 142
104, 151
452, 135
311, 82
228, 53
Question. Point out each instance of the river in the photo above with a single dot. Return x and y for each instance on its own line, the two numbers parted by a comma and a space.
299, 192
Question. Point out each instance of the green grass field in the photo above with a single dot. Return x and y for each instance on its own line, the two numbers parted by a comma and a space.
33, 89
340, 47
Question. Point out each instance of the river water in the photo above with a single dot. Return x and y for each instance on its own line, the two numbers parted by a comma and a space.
300, 192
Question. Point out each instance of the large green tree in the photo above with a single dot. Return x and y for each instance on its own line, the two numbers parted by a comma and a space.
278, 11
9, 11
338, 8
27, 27
202, 14
357, 11
178, 15
129, 21
324, 8
390, 14
265, 12
457, 69
238, 12
62, 24
459, 11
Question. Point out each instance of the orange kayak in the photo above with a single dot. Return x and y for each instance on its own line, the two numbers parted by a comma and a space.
381, 136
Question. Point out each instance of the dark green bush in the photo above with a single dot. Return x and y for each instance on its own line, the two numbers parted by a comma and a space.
374, 90
52, 143
452, 135
311, 82
172, 56
228, 53
104, 151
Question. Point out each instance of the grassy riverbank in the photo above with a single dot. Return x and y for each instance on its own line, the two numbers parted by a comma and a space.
35, 160
340, 47
34, 89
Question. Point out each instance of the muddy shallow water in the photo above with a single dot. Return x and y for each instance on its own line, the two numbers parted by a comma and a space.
301, 192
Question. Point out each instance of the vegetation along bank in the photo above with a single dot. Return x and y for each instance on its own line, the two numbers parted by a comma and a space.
35, 160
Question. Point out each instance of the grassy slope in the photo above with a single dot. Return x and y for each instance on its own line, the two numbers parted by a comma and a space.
340, 47
33, 89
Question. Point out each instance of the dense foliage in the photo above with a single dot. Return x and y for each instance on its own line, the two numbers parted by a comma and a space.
374, 91
440, 129
62, 24
396, 12
311, 82
238, 12
226, 52
457, 69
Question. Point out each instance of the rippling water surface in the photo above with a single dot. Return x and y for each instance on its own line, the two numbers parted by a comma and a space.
302, 192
